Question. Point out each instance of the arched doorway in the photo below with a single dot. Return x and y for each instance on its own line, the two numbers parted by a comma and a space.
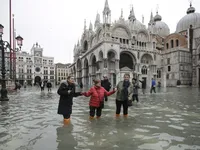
94, 66
111, 55
86, 72
37, 80
111, 60
79, 71
127, 60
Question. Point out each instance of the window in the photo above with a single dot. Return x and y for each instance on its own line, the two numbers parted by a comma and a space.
167, 45
51, 77
45, 71
154, 56
199, 56
158, 73
172, 43
138, 55
144, 70
168, 61
123, 41
169, 68
167, 76
51, 72
154, 45
181, 67
177, 43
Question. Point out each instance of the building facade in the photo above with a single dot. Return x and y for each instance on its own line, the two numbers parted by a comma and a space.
61, 72
128, 46
34, 67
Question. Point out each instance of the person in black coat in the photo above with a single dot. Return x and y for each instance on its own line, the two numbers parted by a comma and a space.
49, 86
106, 85
67, 92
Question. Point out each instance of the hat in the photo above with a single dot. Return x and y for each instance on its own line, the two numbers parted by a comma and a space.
96, 81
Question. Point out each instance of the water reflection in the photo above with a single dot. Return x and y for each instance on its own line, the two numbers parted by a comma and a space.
65, 139
168, 119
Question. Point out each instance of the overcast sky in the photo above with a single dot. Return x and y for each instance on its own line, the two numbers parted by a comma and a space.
57, 24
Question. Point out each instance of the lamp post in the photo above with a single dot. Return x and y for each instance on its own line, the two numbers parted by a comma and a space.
4, 45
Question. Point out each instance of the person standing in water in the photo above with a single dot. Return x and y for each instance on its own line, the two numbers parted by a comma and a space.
66, 92
124, 93
97, 93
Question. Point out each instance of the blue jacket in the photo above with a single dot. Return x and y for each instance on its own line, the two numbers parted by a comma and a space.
153, 83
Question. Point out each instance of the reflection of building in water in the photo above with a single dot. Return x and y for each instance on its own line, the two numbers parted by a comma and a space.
129, 46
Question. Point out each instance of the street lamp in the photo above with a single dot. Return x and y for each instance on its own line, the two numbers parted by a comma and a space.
4, 45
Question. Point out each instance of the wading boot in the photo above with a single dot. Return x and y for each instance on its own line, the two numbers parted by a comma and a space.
98, 117
91, 118
66, 121
117, 115
126, 115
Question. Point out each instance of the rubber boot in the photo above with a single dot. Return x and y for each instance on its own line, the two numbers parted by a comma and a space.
91, 117
66, 121
117, 115
98, 117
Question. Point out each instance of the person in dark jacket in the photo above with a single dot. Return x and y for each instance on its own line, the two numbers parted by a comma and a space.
106, 85
81, 85
67, 92
143, 85
49, 86
135, 90
124, 94
42, 84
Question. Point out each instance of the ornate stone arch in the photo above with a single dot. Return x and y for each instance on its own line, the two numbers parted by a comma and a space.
79, 64
85, 46
120, 30
112, 51
143, 36
100, 56
127, 59
92, 40
98, 33
146, 58
91, 57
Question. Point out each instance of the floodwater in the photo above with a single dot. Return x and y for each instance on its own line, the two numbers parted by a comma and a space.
167, 120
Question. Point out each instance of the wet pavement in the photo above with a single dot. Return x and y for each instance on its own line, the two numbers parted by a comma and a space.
167, 120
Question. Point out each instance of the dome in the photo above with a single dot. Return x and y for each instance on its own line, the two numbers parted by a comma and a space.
157, 17
160, 27
191, 18
135, 25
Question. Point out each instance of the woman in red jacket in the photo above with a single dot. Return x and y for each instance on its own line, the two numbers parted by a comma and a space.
97, 94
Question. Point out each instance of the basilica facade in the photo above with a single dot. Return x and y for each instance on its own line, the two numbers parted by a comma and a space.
128, 46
